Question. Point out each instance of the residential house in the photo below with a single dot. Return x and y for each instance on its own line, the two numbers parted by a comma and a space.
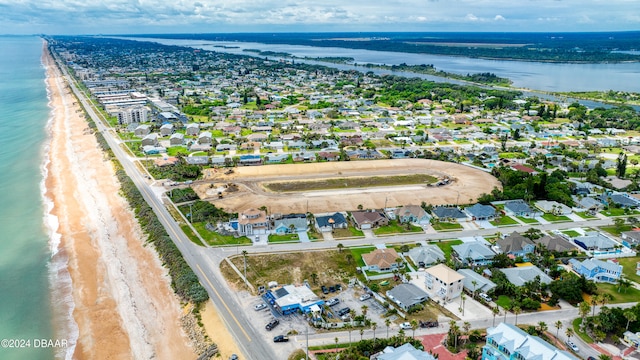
509, 342
369, 219
518, 276
382, 260
621, 199
630, 238
176, 139
553, 207
142, 130
519, 208
192, 129
556, 243
250, 160
588, 203
446, 213
596, 242
407, 296
327, 223
197, 160
276, 158
253, 221
476, 283
426, 255
445, 282
597, 270
515, 245
404, 352
166, 130
473, 253
205, 138
412, 214
479, 212
290, 224
150, 140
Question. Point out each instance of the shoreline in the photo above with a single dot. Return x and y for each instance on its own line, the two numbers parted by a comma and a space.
122, 301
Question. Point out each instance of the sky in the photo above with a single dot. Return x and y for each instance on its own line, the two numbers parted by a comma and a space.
215, 16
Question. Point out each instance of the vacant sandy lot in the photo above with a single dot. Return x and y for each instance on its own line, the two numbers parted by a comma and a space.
467, 184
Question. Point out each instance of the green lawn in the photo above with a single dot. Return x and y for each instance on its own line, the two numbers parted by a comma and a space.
504, 301
175, 150
527, 220
614, 230
555, 218
504, 221
214, 239
283, 238
613, 212
581, 334
629, 268
347, 233
625, 295
584, 215
396, 228
445, 246
187, 230
357, 253
571, 233
446, 226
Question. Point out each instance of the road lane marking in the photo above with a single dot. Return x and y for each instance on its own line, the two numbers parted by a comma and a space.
224, 303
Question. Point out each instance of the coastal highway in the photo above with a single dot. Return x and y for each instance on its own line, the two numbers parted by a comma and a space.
244, 332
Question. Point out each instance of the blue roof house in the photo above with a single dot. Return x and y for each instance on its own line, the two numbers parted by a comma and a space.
481, 212
597, 270
329, 222
445, 213
509, 342
520, 208
472, 253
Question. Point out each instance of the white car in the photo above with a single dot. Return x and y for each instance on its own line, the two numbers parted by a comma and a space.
365, 297
405, 326
485, 297
260, 307
573, 346
332, 302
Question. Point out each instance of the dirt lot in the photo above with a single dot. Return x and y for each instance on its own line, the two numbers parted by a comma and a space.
466, 186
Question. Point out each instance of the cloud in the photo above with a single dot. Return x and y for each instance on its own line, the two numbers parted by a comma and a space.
67, 16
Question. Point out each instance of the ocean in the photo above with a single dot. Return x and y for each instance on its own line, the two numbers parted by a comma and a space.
32, 281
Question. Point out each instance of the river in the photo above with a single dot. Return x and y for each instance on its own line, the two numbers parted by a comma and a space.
526, 75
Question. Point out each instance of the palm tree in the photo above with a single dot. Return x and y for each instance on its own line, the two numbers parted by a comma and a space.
558, 326
583, 308
340, 247
414, 326
314, 278
387, 322
364, 311
604, 357
349, 258
374, 326
349, 328
466, 326
594, 301
361, 334
462, 299
542, 327
516, 310
630, 315
475, 284
569, 333
244, 255
495, 311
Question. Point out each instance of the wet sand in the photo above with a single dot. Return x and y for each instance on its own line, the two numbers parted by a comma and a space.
124, 305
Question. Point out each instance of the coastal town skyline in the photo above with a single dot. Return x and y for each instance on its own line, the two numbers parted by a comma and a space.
125, 17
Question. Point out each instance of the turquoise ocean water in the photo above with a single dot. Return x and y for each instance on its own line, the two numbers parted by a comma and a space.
31, 284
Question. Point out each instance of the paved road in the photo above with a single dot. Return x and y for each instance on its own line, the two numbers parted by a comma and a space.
237, 322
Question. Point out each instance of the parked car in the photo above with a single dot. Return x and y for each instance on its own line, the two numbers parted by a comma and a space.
233, 357
343, 311
485, 297
324, 290
338, 287
280, 338
405, 326
572, 346
332, 302
272, 324
332, 289
365, 297
260, 306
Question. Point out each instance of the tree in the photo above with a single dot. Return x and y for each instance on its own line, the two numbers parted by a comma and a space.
495, 311
349, 328
361, 334
349, 258
558, 326
244, 256
542, 327
364, 311
340, 247
516, 310
630, 315
569, 333
414, 326
583, 309
466, 326
619, 224
336, 340
374, 326
387, 322
604, 357
314, 278
475, 284
621, 165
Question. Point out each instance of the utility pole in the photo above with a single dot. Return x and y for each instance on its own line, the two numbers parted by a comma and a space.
307, 352
191, 213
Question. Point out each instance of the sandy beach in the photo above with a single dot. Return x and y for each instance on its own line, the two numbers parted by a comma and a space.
124, 305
